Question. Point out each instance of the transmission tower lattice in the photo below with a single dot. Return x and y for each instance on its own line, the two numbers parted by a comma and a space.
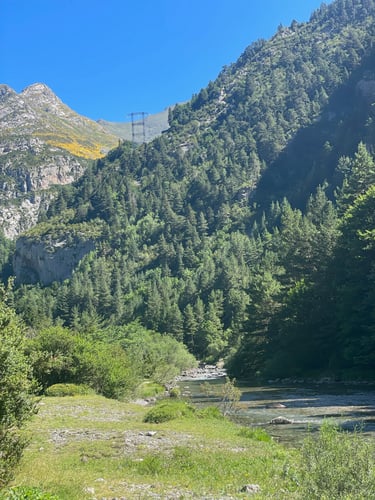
138, 126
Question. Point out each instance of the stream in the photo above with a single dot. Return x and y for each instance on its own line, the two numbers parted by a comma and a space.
348, 405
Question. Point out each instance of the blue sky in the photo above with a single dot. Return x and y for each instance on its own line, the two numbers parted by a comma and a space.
108, 58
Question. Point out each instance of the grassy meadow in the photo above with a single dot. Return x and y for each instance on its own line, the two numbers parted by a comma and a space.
89, 447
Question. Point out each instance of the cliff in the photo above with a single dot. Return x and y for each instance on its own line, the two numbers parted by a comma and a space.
48, 261
50, 251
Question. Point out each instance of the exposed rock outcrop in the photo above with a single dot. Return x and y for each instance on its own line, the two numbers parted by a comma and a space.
45, 261
281, 421
17, 218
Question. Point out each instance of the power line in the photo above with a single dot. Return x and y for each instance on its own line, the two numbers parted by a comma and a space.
138, 127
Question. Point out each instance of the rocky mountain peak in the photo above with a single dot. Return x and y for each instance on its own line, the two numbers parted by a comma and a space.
5, 91
40, 95
38, 89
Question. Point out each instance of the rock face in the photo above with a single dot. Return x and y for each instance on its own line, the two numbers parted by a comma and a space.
46, 261
43, 143
17, 218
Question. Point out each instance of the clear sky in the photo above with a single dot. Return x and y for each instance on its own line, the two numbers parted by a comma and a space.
108, 58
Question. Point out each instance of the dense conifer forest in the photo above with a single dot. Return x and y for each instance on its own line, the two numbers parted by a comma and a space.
247, 230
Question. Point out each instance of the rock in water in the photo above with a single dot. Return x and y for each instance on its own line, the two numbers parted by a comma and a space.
275, 405
281, 421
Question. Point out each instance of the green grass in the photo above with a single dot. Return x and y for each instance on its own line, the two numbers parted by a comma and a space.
87, 447
150, 389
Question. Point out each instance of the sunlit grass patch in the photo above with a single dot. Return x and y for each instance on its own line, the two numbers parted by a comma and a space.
150, 389
86, 447
254, 433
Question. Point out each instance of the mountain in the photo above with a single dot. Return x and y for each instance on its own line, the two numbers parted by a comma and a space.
43, 143
38, 112
232, 231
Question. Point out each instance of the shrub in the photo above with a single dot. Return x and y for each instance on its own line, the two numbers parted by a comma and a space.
61, 356
175, 392
106, 368
26, 493
153, 355
337, 465
168, 410
230, 395
58, 390
210, 412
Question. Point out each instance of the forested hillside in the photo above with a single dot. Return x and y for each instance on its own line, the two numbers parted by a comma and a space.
247, 229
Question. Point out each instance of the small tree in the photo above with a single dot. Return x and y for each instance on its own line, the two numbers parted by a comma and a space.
230, 395
16, 390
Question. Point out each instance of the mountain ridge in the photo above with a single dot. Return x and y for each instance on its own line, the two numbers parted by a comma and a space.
39, 112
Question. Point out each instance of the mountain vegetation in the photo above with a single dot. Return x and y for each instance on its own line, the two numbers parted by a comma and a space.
17, 404
245, 231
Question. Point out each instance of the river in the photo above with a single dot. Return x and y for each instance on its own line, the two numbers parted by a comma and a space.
348, 405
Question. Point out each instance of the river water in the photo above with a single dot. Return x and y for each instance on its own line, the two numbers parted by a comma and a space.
348, 405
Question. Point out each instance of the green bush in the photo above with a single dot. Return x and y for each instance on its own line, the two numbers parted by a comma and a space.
26, 493
152, 355
61, 356
175, 392
168, 410
58, 390
210, 412
337, 465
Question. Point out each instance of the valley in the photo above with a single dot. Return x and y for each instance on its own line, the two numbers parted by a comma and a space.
241, 235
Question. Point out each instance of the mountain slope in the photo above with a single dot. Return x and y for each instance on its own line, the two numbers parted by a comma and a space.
38, 112
43, 143
192, 234
308, 75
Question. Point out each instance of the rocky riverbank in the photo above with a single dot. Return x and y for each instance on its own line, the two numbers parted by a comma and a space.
202, 372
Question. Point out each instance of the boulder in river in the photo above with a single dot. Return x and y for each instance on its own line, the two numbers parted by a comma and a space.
275, 405
281, 421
